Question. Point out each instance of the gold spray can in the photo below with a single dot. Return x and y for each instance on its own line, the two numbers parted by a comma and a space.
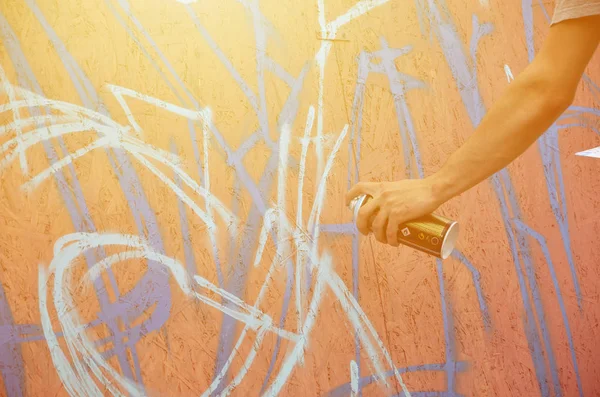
432, 234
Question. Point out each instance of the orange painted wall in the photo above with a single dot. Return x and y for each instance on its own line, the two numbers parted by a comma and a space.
205, 149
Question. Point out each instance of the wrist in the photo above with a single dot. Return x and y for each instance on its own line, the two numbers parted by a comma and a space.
443, 187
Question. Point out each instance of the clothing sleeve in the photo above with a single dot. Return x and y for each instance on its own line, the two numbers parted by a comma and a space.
571, 9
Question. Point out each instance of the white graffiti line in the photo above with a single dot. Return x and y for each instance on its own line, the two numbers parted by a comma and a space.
8, 89
33, 100
294, 357
246, 366
260, 38
509, 74
111, 138
315, 215
119, 92
321, 59
279, 71
131, 147
229, 218
300, 253
69, 379
68, 159
116, 136
212, 232
273, 267
84, 357
354, 378
325, 276
193, 115
595, 152
328, 34
244, 312
72, 113
282, 236
46, 133
356, 11
17, 146
271, 218
68, 249
35, 121
262, 319
250, 95
274, 217
306, 245
358, 316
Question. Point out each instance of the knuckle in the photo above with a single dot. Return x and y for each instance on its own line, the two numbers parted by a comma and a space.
397, 212
391, 234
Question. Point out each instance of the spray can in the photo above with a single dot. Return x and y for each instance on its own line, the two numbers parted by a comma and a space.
432, 234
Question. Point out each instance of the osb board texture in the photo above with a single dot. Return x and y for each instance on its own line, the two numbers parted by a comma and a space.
395, 87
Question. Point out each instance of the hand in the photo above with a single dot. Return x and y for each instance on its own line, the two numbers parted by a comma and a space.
392, 204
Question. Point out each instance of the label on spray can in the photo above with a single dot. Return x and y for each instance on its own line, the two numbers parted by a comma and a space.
432, 234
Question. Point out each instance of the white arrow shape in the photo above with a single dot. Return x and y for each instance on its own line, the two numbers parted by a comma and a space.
595, 152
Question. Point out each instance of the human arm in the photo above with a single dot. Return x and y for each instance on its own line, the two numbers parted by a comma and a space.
529, 105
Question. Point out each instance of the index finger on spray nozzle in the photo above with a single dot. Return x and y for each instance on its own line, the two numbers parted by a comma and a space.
356, 204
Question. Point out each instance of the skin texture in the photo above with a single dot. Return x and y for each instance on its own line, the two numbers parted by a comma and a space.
528, 107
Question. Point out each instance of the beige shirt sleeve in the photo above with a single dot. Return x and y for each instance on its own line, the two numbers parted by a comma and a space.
571, 9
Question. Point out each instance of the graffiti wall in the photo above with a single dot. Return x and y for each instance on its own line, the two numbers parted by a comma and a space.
172, 220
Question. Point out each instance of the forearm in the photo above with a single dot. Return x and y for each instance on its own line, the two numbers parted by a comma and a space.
530, 104
527, 108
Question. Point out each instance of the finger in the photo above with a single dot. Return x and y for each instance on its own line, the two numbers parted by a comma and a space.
392, 229
380, 226
360, 189
365, 216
